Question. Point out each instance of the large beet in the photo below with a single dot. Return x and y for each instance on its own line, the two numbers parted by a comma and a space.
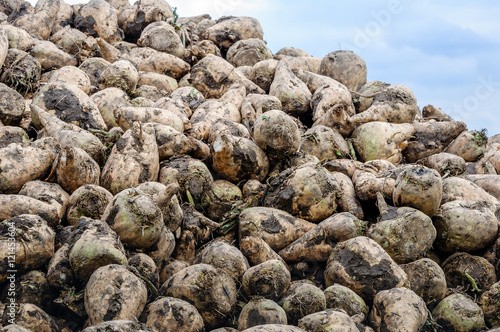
192, 175
11, 106
362, 265
135, 217
458, 313
224, 256
87, 201
277, 134
98, 18
248, 52
33, 246
137, 152
97, 245
211, 291
227, 32
237, 159
465, 226
277, 228
404, 233
270, 279
21, 71
426, 278
420, 188
18, 165
114, 293
173, 314
398, 309
291, 91
382, 140
308, 191
70, 104
213, 76
345, 67
472, 273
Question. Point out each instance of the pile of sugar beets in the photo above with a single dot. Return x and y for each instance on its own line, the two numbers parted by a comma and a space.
166, 173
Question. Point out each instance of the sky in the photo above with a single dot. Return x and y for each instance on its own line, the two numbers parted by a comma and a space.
446, 52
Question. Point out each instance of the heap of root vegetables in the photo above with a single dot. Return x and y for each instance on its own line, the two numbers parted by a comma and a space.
166, 173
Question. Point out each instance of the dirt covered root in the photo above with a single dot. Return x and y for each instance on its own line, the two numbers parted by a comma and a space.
329, 320
276, 227
472, 274
261, 311
419, 187
135, 217
394, 104
93, 245
221, 198
469, 145
301, 299
128, 294
405, 234
33, 288
277, 134
67, 134
431, 137
228, 31
30, 317
465, 226
308, 191
21, 72
398, 309
382, 140
192, 175
133, 160
363, 266
238, 158
121, 74
213, 76
290, 90
490, 303
345, 67
87, 201
24, 162
274, 328
339, 297
34, 244
318, 243
324, 143
173, 314
75, 168
12, 106
71, 105
427, 279
98, 18
257, 251
270, 279
221, 254
458, 312
211, 291
248, 52
119, 326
